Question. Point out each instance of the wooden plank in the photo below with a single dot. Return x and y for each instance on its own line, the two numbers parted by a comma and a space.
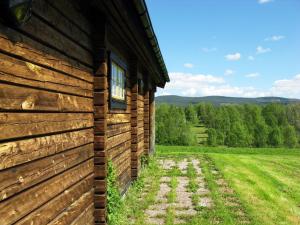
115, 151
26, 175
86, 217
100, 186
118, 118
122, 161
100, 216
100, 98
48, 35
46, 11
118, 139
100, 200
56, 205
100, 126
71, 213
68, 9
100, 83
15, 125
30, 50
115, 129
18, 152
20, 205
100, 142
21, 72
100, 111
124, 179
21, 98
100, 171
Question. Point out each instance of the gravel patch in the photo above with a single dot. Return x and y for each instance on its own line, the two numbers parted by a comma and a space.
182, 165
155, 221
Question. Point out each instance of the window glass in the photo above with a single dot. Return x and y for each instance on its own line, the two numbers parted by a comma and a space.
117, 82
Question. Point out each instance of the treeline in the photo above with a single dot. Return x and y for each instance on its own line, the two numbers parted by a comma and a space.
249, 125
172, 127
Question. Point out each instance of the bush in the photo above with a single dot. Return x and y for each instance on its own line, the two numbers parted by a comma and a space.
114, 201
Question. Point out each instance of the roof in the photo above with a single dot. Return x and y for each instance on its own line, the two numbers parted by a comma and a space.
148, 28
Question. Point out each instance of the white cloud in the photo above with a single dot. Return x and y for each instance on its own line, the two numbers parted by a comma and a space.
188, 65
252, 75
264, 1
251, 58
275, 38
187, 84
213, 49
228, 72
287, 87
261, 50
233, 57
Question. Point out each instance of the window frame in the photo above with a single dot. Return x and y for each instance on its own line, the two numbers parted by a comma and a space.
113, 102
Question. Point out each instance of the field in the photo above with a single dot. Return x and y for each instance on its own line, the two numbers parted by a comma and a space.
200, 185
201, 134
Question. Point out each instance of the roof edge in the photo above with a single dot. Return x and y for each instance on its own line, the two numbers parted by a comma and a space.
146, 21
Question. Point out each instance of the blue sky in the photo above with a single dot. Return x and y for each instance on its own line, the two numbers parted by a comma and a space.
247, 48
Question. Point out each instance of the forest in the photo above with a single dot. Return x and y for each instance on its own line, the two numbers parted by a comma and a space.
233, 125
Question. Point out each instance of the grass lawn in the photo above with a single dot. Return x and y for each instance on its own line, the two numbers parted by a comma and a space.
267, 181
203, 185
201, 133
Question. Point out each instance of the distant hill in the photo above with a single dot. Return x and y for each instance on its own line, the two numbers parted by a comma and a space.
221, 100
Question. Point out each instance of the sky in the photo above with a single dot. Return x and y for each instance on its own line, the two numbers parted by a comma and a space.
242, 48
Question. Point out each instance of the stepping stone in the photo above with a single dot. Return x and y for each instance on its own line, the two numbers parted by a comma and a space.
183, 165
154, 213
188, 212
165, 179
160, 206
168, 164
205, 202
156, 221
202, 191
196, 164
179, 221
163, 191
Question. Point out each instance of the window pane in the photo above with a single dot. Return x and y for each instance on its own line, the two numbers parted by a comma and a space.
117, 82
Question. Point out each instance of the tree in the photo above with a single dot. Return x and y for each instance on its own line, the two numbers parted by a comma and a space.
191, 115
275, 137
172, 127
290, 136
261, 133
212, 137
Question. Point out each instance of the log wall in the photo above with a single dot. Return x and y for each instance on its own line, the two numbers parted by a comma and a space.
46, 118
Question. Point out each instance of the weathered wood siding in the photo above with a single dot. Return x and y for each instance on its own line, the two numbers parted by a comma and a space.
119, 140
46, 118
152, 121
146, 123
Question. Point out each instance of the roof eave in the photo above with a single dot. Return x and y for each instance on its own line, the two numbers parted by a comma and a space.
145, 19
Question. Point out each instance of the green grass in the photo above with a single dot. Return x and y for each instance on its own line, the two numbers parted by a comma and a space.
201, 134
263, 184
266, 183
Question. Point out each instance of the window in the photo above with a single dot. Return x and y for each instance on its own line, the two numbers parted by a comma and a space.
141, 86
117, 83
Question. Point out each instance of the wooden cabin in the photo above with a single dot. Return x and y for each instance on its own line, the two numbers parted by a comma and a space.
77, 85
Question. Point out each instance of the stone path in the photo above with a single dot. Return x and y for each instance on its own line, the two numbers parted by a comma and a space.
183, 207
